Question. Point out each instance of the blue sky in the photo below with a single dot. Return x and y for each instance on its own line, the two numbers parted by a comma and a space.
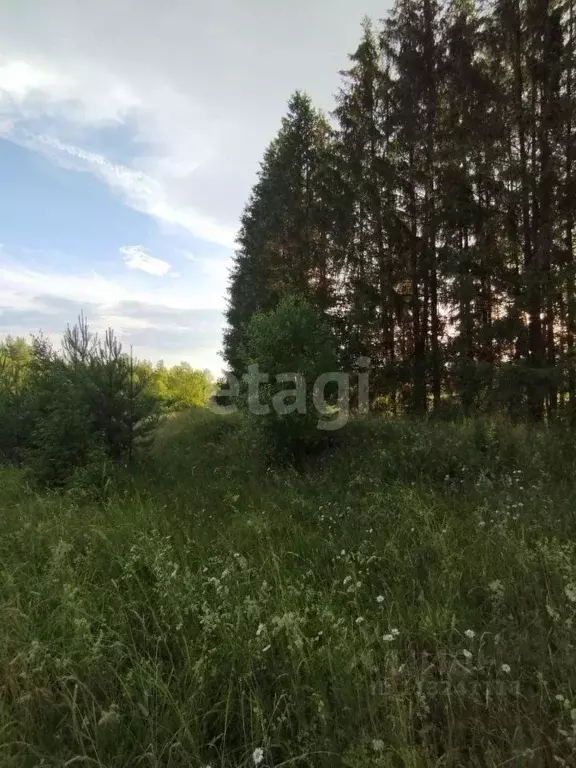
129, 140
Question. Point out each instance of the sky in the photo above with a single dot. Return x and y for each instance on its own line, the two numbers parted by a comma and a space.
130, 136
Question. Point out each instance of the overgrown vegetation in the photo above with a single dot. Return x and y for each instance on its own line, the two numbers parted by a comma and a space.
87, 407
285, 351
409, 601
228, 595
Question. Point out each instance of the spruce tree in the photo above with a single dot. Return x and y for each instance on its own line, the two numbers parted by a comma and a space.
284, 246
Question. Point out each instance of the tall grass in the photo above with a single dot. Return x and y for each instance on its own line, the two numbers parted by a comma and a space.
410, 601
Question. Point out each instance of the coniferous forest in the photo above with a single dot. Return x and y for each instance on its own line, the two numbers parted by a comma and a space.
430, 217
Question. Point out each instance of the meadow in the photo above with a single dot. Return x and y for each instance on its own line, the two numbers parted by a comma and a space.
407, 600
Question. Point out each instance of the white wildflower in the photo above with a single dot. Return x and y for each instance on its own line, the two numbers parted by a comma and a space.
388, 638
470, 634
380, 599
347, 580
506, 668
109, 717
570, 592
466, 653
360, 620
395, 632
378, 745
258, 755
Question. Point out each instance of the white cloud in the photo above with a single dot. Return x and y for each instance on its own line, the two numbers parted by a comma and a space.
136, 257
217, 269
175, 321
29, 91
20, 80
190, 85
21, 285
123, 324
140, 191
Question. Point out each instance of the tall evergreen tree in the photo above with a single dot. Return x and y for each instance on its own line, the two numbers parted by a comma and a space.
371, 306
436, 227
284, 235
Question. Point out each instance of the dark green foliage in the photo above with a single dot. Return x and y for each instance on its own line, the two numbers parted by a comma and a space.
84, 412
66, 412
121, 408
294, 341
62, 430
433, 226
284, 234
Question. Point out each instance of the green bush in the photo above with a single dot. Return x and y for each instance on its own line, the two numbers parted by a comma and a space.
76, 409
292, 346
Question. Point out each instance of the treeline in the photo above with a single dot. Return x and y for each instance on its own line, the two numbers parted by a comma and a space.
84, 406
431, 219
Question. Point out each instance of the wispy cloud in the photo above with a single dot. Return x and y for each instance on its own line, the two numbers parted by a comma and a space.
140, 191
21, 285
29, 92
217, 269
137, 257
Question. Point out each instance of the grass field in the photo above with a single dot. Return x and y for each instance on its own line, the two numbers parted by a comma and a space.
409, 600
